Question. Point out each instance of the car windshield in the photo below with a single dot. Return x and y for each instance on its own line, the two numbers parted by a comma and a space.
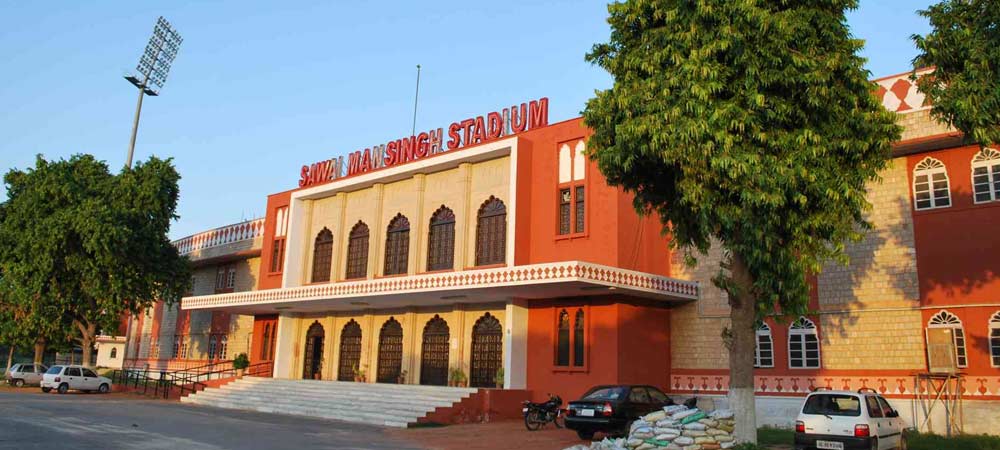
606, 393
833, 405
54, 370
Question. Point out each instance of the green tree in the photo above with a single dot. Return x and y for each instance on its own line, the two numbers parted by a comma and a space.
746, 124
964, 49
80, 247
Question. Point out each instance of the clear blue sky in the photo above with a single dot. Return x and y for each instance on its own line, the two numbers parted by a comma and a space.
258, 89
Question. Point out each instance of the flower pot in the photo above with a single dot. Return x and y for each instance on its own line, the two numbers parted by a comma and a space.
241, 371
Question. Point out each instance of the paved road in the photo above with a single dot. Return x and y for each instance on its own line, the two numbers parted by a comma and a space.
111, 422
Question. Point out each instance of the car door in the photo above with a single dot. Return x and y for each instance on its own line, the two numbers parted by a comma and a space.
877, 423
90, 379
638, 397
33, 374
895, 423
73, 377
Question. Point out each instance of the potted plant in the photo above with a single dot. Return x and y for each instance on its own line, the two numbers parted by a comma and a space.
451, 376
240, 363
499, 378
401, 379
359, 373
456, 377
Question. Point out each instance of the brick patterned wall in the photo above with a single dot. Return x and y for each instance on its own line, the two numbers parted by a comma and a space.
884, 339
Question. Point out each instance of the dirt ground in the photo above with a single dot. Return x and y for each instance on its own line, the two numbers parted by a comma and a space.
496, 435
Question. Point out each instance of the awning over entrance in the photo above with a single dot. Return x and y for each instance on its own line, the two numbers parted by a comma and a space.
535, 281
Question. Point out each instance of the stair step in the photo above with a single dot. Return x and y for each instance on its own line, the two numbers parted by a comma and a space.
391, 405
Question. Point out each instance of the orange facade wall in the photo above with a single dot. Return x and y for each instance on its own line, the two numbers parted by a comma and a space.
268, 279
958, 258
613, 235
626, 341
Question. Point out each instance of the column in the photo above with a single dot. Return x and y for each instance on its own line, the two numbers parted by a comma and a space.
515, 345
284, 348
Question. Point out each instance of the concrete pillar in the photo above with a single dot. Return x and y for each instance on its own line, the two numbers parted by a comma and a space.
284, 348
515, 343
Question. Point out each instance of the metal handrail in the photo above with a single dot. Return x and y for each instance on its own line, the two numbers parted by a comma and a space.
184, 379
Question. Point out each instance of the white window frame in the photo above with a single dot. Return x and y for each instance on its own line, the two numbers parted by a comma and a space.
763, 331
930, 166
986, 159
945, 319
804, 327
994, 326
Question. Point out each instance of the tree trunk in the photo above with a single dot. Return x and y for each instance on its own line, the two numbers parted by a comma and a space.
741, 352
10, 358
39, 350
88, 334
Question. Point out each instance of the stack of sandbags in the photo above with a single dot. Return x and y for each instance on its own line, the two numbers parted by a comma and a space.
678, 428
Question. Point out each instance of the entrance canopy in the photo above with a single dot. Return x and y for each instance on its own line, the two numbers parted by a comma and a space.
534, 281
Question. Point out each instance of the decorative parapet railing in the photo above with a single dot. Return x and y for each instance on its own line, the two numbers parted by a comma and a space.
900, 94
568, 271
228, 234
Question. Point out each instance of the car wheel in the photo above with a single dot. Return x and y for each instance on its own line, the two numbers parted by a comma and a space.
587, 435
18, 383
875, 444
104, 388
902, 442
63, 388
46, 390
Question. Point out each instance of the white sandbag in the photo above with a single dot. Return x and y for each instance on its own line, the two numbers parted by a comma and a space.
704, 440
645, 446
654, 416
692, 447
687, 412
729, 444
577, 447
716, 432
668, 422
632, 442
721, 414
674, 408
695, 426
711, 423
693, 433
660, 430
639, 423
666, 437
724, 438
684, 440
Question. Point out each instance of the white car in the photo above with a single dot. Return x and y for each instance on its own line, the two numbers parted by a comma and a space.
845, 420
64, 378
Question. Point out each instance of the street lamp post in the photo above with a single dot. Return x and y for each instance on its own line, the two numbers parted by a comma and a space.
154, 65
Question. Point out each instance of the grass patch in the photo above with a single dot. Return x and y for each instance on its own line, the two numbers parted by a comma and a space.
775, 436
922, 441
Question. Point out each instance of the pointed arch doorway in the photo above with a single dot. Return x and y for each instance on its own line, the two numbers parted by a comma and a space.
487, 351
350, 351
312, 369
390, 352
434, 353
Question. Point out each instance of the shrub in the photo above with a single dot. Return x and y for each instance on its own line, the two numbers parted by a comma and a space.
241, 361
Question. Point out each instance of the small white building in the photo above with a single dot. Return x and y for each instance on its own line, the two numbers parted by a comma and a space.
110, 351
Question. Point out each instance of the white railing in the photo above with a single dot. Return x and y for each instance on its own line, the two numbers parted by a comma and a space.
228, 234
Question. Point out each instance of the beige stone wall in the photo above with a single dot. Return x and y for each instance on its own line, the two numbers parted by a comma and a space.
460, 319
920, 124
868, 309
462, 189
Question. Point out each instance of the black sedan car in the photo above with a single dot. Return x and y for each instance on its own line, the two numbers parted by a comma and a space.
610, 409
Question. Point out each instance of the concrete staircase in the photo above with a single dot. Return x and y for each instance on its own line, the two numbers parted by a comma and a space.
391, 405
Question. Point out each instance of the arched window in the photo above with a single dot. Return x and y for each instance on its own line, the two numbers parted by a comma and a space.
491, 233
322, 256
212, 344
562, 339
994, 339
397, 245
114, 352
223, 343
764, 351
930, 185
434, 352
578, 342
350, 351
803, 345
441, 240
986, 175
357, 252
945, 319
390, 351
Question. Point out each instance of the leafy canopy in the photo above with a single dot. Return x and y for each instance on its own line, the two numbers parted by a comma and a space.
748, 122
964, 49
80, 245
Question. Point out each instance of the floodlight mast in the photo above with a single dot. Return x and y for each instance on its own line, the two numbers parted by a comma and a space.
154, 65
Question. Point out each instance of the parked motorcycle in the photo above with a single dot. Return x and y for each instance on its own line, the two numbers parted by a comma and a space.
536, 415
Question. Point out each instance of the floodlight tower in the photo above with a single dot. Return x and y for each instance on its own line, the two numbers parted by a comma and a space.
152, 69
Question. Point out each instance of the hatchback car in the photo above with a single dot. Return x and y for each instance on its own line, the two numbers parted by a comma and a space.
845, 420
25, 374
610, 409
64, 378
